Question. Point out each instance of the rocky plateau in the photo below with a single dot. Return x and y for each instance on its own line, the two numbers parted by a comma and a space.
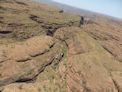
46, 49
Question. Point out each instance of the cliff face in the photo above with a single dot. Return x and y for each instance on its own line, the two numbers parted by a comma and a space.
43, 49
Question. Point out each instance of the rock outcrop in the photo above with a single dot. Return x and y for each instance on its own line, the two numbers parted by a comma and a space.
84, 65
22, 61
43, 49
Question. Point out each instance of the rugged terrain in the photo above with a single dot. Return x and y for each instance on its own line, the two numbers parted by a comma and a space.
43, 49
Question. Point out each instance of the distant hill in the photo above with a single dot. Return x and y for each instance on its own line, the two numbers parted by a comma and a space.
82, 12
67, 8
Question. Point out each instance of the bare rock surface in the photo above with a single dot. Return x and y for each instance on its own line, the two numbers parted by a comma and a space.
22, 59
108, 34
43, 49
117, 78
79, 71
85, 69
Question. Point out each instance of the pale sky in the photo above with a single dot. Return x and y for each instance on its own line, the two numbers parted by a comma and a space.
108, 7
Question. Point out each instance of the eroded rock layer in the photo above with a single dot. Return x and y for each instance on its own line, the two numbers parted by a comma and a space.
43, 49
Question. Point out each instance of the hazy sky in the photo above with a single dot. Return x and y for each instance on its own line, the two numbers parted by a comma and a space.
109, 7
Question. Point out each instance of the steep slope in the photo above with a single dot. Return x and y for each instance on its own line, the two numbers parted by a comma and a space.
44, 50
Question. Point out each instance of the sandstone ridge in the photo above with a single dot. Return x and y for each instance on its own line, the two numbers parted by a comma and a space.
45, 50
